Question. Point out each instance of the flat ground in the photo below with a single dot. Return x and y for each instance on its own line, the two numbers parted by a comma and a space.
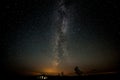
90, 77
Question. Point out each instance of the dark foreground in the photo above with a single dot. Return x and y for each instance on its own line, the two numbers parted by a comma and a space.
90, 77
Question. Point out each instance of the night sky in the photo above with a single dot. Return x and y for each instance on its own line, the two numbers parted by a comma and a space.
54, 36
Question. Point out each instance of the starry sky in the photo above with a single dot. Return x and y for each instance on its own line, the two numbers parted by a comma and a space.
28, 35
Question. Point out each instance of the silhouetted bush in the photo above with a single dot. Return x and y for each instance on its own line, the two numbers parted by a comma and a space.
77, 71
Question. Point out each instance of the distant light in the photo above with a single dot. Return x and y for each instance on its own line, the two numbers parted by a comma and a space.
43, 77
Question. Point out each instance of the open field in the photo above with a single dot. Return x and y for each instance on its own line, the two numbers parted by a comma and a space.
89, 77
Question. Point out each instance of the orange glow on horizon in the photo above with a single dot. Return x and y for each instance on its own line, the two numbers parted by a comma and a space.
51, 71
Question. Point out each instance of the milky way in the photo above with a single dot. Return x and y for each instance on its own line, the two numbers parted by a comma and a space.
56, 35
60, 52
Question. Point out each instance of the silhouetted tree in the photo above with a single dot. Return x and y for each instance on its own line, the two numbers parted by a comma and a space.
77, 71
62, 73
